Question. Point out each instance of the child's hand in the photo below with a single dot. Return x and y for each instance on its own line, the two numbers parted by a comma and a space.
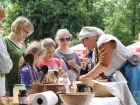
83, 65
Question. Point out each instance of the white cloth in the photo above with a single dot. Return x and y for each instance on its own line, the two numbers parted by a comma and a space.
118, 76
89, 31
119, 89
118, 56
5, 64
105, 101
5, 61
2, 86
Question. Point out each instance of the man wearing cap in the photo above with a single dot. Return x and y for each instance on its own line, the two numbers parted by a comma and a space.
5, 61
110, 53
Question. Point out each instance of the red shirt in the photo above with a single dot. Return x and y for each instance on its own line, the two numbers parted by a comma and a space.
52, 64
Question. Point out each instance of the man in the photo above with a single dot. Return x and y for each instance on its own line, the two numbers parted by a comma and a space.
5, 61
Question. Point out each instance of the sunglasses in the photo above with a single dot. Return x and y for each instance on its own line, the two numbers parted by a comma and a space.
64, 39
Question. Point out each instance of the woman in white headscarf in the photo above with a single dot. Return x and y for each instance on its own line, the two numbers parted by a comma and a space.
110, 53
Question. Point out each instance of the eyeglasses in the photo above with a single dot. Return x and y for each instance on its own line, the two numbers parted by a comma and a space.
26, 32
64, 39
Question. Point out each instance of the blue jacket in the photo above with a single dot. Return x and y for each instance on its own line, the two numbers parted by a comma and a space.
25, 76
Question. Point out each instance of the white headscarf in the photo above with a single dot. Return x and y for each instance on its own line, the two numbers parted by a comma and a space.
89, 31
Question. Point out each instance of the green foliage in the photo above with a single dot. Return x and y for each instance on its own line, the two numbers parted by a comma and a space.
48, 16
117, 17
122, 19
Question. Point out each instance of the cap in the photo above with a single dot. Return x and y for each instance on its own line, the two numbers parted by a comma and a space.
89, 31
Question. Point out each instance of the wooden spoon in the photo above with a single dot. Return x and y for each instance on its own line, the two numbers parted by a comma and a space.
44, 69
59, 73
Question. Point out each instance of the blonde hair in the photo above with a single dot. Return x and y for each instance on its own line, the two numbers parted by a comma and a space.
48, 42
61, 32
34, 48
22, 23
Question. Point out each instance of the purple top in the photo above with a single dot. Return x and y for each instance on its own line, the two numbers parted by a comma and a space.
25, 76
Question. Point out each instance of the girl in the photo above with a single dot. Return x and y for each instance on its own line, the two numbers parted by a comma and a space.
38, 52
49, 60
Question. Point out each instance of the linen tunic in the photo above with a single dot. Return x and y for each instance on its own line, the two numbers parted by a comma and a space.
5, 65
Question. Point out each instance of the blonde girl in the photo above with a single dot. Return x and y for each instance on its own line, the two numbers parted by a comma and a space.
38, 51
49, 60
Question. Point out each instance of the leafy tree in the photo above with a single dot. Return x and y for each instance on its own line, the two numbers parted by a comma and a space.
95, 13
122, 18
48, 16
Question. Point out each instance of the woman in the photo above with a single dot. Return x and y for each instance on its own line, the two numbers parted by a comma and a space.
110, 53
21, 28
70, 60
5, 61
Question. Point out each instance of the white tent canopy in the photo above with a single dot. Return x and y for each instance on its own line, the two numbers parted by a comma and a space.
79, 49
135, 48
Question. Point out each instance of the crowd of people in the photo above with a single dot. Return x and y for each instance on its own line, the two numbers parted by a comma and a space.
105, 54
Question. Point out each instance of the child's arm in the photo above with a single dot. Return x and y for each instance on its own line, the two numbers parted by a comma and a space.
25, 76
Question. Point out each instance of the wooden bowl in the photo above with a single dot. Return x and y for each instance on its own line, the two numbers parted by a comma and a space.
76, 98
55, 87
6, 100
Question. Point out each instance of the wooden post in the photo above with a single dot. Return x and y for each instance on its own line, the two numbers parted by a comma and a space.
138, 36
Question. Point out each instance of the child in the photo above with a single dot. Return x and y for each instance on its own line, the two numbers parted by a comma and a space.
38, 53
49, 60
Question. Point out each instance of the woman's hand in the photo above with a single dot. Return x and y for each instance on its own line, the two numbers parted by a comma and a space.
72, 63
84, 76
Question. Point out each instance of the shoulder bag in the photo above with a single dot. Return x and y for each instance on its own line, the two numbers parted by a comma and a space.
70, 72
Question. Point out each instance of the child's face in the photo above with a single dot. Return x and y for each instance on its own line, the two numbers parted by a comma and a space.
49, 53
39, 59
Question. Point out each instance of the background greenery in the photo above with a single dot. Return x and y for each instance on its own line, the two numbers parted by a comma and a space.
120, 18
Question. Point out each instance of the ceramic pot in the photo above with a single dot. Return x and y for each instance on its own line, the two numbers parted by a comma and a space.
83, 88
87, 81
